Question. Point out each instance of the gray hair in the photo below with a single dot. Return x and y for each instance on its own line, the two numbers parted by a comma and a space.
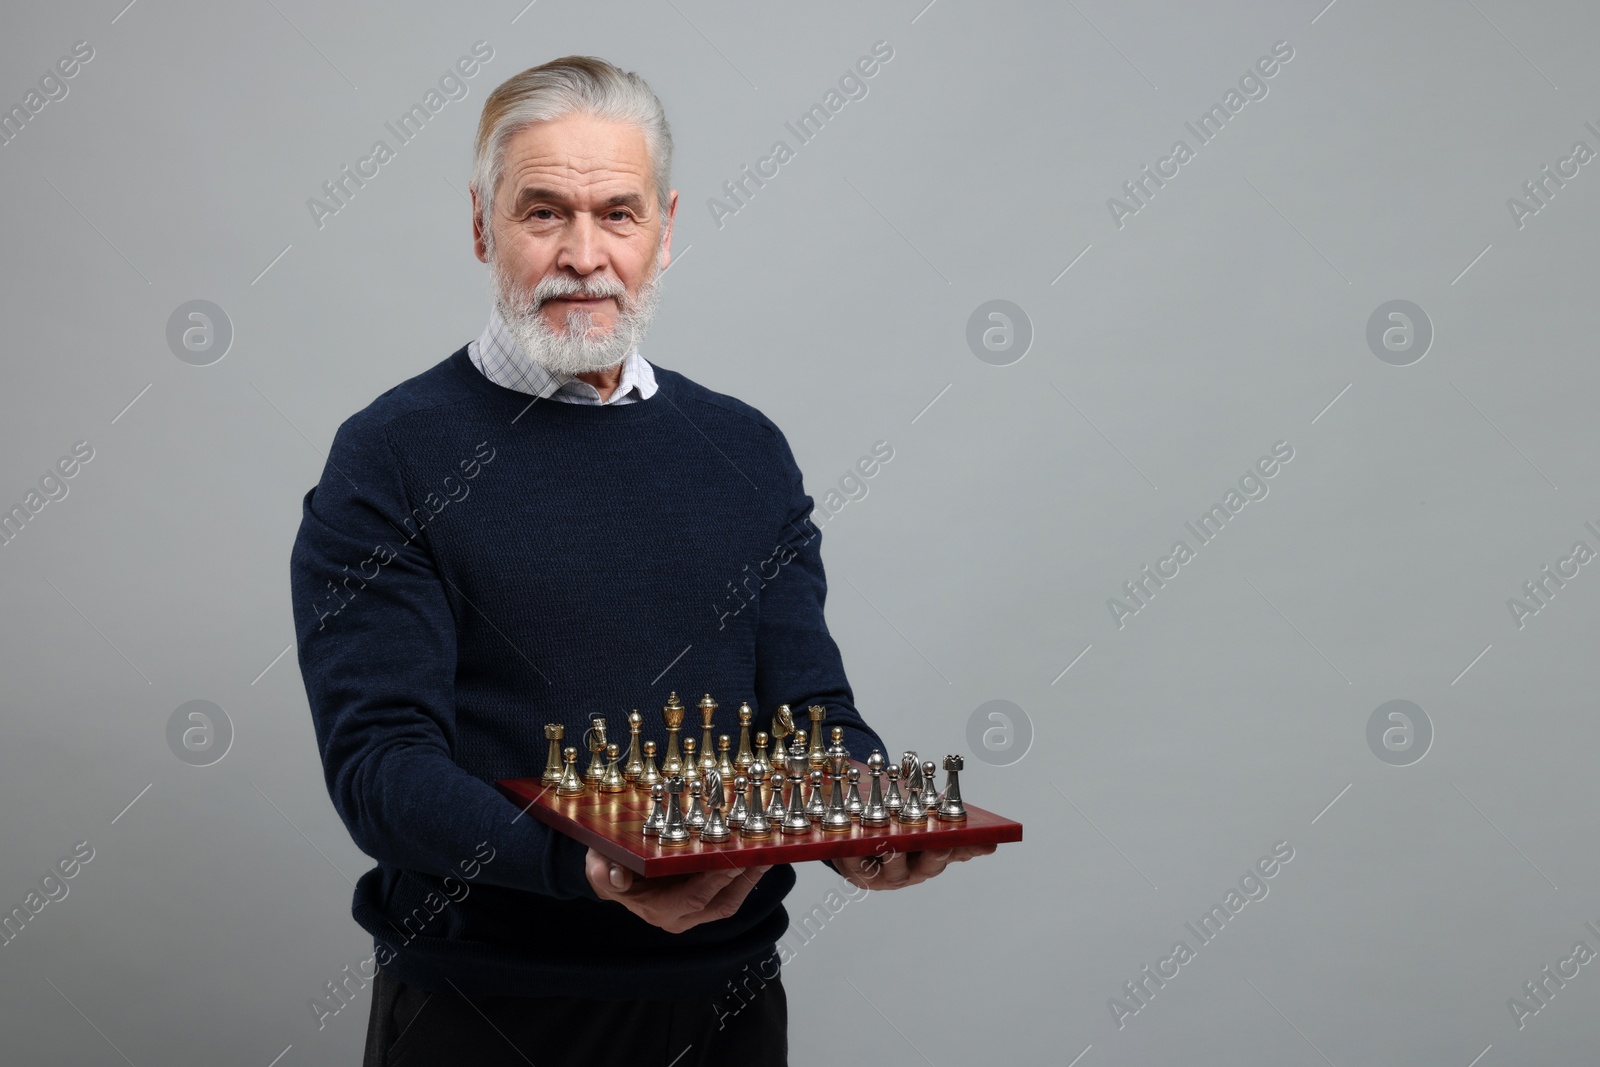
572, 84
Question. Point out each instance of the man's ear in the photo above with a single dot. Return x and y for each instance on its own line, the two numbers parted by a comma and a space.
478, 246
665, 259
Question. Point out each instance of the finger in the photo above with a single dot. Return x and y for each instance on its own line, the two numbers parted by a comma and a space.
604, 875
892, 873
726, 902
859, 871
925, 865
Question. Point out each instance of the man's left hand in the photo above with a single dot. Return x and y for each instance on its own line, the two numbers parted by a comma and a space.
899, 869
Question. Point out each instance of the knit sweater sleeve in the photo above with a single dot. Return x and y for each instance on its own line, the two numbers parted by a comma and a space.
377, 649
797, 661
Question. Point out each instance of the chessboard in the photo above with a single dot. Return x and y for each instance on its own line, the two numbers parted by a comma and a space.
613, 824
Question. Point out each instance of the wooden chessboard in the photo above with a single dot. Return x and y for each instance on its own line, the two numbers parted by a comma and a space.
610, 823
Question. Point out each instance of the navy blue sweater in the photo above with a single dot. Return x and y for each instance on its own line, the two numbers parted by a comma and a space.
475, 564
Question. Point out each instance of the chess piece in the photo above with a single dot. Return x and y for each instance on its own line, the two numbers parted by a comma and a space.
795, 820
744, 757
695, 818
816, 807
875, 813
782, 725
853, 804
691, 766
760, 760
553, 733
649, 776
737, 810
708, 742
930, 786
816, 713
658, 811
950, 808
910, 771
836, 749
724, 761
571, 785
756, 823
911, 811
672, 713
716, 827
892, 800
612, 781
835, 818
796, 759
775, 806
674, 832
595, 738
633, 764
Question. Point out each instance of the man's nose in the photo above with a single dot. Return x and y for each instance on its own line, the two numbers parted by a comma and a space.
580, 251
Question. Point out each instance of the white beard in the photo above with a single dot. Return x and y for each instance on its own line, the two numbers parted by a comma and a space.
577, 349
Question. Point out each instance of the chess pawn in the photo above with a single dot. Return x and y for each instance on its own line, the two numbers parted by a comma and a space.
570, 785
696, 817
612, 781
716, 827
853, 804
816, 807
553, 733
691, 767
674, 832
744, 757
795, 820
836, 819
875, 812
950, 808
775, 805
816, 712
756, 823
595, 738
724, 761
708, 742
657, 820
672, 713
892, 801
760, 760
648, 775
930, 786
737, 810
633, 765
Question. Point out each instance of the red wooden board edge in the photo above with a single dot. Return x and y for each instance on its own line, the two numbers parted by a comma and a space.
609, 823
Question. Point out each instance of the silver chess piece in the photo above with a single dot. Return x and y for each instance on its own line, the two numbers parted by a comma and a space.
911, 812
695, 817
853, 804
795, 820
658, 811
674, 832
716, 827
892, 800
756, 823
836, 818
874, 813
737, 810
816, 807
950, 808
910, 771
930, 791
775, 808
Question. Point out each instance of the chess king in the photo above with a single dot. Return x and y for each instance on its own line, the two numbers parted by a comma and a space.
513, 538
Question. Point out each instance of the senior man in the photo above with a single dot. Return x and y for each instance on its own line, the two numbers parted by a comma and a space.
529, 532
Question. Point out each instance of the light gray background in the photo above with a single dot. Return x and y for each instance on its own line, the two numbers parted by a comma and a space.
1224, 317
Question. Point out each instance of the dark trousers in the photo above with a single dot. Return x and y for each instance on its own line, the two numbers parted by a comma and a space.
410, 1027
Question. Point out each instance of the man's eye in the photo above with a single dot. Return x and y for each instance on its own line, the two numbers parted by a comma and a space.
542, 214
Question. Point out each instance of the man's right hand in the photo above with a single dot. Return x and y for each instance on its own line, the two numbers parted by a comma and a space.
676, 902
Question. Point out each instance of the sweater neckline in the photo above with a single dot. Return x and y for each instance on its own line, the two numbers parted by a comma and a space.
526, 404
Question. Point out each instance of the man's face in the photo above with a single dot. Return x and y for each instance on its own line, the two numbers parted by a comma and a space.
577, 241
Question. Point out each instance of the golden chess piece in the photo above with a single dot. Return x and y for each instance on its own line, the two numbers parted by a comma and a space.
708, 743
633, 765
691, 766
724, 763
744, 757
648, 774
672, 713
816, 712
595, 738
571, 785
553, 733
782, 726
612, 781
